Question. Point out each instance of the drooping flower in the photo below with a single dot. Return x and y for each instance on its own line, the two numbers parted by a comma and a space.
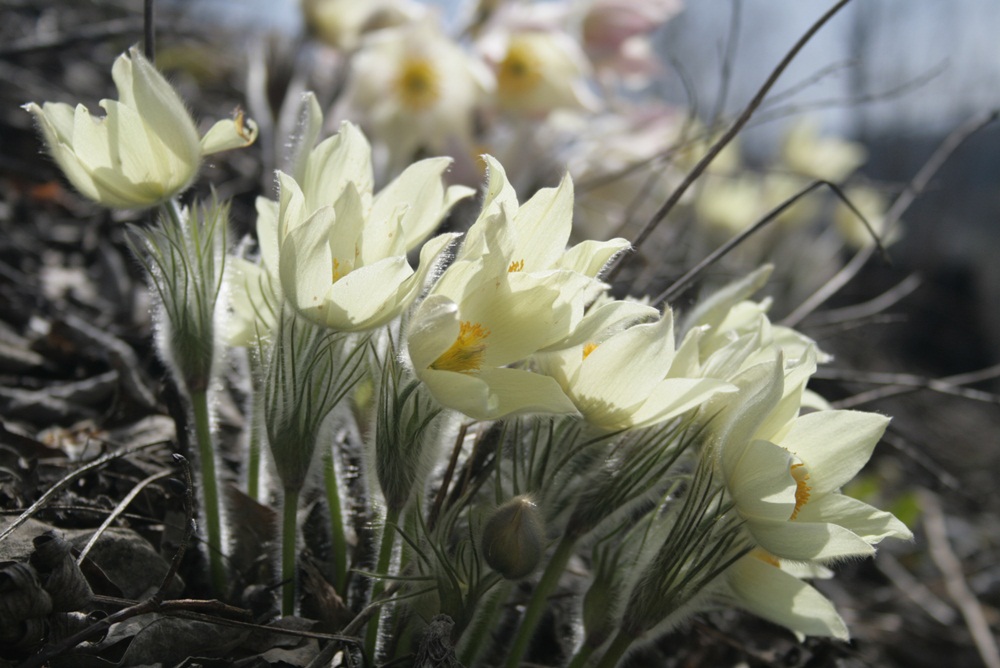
145, 149
414, 88
342, 249
784, 472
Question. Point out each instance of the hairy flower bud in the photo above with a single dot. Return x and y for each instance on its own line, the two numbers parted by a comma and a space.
514, 538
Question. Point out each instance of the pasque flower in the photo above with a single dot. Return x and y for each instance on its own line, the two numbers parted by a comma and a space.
623, 381
514, 290
760, 584
144, 150
342, 249
412, 87
784, 475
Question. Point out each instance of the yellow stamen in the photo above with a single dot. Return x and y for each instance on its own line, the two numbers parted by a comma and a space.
802, 490
589, 348
336, 270
466, 354
515, 266
519, 71
417, 84
766, 557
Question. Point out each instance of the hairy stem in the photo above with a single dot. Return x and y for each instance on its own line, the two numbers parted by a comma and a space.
289, 533
210, 491
337, 536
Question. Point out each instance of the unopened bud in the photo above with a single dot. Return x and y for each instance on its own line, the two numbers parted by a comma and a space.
514, 538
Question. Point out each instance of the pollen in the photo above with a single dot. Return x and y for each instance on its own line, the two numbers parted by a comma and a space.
589, 348
802, 489
517, 265
337, 275
519, 71
418, 84
466, 354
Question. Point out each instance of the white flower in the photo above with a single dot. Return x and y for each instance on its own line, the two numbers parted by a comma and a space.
144, 150
414, 88
759, 584
623, 381
784, 475
539, 71
342, 250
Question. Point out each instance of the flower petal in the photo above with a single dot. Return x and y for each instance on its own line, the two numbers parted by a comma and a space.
808, 541
768, 592
866, 521
834, 445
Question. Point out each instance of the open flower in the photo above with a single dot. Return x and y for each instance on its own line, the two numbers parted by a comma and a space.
513, 290
539, 71
144, 150
622, 381
342, 249
414, 88
784, 475
464, 345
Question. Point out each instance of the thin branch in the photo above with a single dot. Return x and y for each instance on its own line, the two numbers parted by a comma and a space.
118, 510
681, 283
67, 479
149, 29
869, 308
954, 580
895, 212
703, 164
896, 387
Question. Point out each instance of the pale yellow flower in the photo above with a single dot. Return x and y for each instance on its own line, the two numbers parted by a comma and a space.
145, 149
342, 249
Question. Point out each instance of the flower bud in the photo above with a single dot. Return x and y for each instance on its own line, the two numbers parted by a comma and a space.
514, 538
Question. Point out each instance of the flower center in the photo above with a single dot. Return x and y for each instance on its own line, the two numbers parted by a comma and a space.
466, 354
765, 556
589, 348
802, 489
339, 270
417, 84
517, 265
519, 71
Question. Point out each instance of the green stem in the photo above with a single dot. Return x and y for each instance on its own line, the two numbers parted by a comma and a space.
256, 429
289, 532
536, 606
337, 536
616, 651
378, 586
210, 491
475, 640
581, 657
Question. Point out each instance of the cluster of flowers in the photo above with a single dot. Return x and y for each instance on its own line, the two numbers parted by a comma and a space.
689, 457
572, 84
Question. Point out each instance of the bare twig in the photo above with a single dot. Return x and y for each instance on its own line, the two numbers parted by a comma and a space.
681, 283
149, 29
723, 141
895, 212
950, 382
913, 589
906, 380
118, 510
954, 580
68, 478
871, 307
